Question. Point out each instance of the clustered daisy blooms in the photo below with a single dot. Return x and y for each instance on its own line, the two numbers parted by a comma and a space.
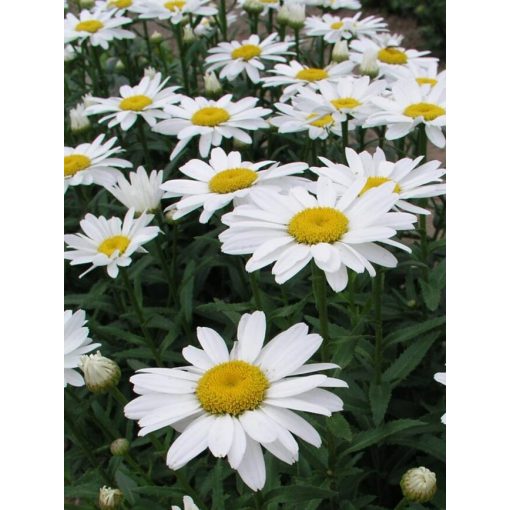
212, 121
109, 243
249, 55
225, 178
76, 344
174, 10
98, 26
89, 163
232, 403
145, 100
336, 232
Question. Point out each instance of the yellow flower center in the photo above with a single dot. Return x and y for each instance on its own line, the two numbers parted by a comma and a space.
135, 103
232, 388
312, 74
337, 25
268, 1
210, 116
428, 111
345, 102
426, 81
232, 179
74, 163
91, 26
121, 4
318, 225
392, 56
246, 52
111, 244
175, 5
374, 182
325, 120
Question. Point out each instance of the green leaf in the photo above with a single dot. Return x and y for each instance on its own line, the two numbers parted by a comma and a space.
340, 427
186, 292
409, 359
367, 438
405, 334
431, 295
298, 493
379, 396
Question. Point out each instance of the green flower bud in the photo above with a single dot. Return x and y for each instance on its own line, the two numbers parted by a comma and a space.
119, 447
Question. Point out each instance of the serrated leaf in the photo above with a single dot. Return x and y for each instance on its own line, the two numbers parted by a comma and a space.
431, 294
409, 359
405, 334
340, 427
379, 396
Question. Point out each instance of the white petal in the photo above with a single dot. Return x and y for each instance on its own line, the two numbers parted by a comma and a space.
221, 435
251, 334
252, 469
213, 345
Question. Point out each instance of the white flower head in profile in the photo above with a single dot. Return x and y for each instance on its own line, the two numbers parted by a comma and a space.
188, 503
440, 377
232, 403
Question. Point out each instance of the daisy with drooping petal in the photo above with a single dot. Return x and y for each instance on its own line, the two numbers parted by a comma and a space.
92, 163
335, 232
388, 51
410, 105
440, 377
109, 242
142, 192
235, 402
188, 503
224, 179
296, 76
411, 180
76, 343
335, 28
98, 26
347, 99
249, 55
425, 75
145, 100
212, 120
174, 10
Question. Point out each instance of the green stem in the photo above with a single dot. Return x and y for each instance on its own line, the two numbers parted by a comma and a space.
421, 150
119, 396
182, 55
147, 40
255, 290
345, 136
296, 39
319, 285
377, 290
139, 312
102, 77
402, 504
223, 19
162, 56
140, 125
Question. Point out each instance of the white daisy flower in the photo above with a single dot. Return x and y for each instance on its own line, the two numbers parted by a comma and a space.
235, 57
69, 53
188, 503
440, 377
76, 343
389, 52
207, 24
336, 4
336, 233
109, 242
260, 6
410, 179
224, 179
335, 28
348, 98
212, 120
147, 100
142, 192
425, 75
410, 105
174, 10
234, 403
296, 76
120, 5
99, 26
79, 121
92, 163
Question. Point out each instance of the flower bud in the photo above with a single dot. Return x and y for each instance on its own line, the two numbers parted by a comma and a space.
418, 485
188, 35
253, 7
156, 37
119, 447
282, 18
69, 53
296, 16
212, 85
79, 121
150, 72
169, 214
100, 373
340, 52
88, 100
119, 66
87, 4
110, 499
369, 65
